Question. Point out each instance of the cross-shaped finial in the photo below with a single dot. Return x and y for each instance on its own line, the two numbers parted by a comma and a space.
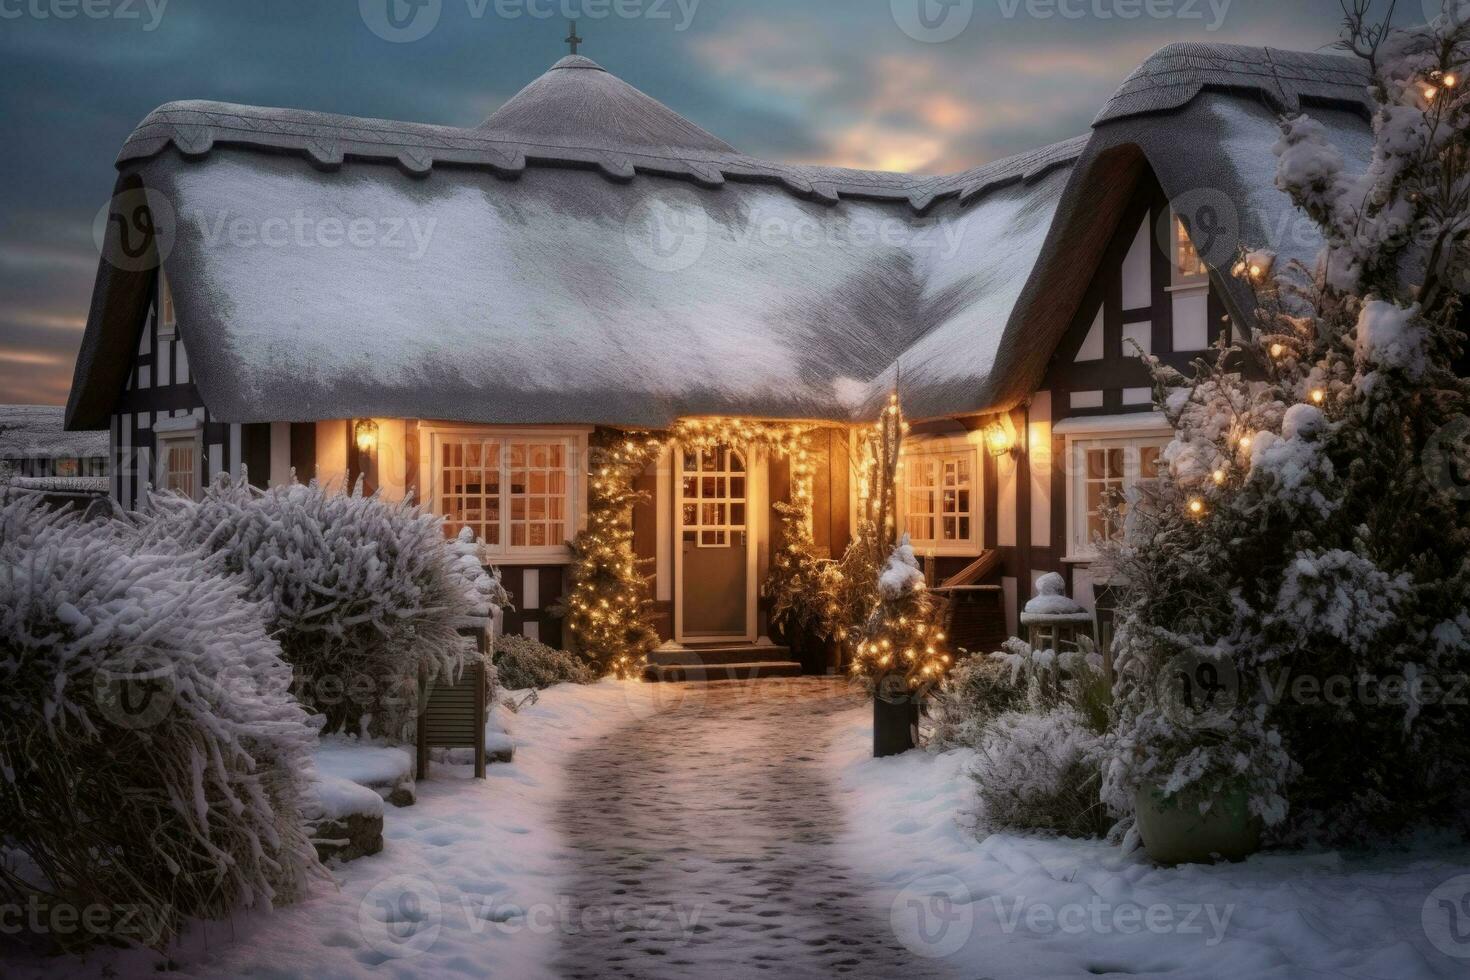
572, 39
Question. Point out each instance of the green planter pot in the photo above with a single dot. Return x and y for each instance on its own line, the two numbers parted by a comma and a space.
1175, 832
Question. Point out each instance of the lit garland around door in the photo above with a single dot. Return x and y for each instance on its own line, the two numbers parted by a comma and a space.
793, 584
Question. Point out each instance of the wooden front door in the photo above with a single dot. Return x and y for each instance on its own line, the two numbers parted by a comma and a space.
715, 547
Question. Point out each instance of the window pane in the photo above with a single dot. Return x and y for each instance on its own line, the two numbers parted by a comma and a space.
1148, 462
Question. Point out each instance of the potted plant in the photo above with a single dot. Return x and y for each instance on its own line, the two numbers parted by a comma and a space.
1198, 824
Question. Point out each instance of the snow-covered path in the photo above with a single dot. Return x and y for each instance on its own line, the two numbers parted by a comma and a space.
704, 840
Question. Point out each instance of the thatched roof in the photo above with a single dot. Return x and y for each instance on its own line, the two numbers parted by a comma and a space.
36, 432
588, 255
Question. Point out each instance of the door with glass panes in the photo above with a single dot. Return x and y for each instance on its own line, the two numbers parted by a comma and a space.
714, 545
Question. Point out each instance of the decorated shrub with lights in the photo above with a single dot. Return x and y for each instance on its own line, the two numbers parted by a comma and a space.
878, 599
903, 652
1300, 578
607, 610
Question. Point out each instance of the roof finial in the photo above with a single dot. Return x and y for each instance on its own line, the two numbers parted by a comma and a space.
572, 39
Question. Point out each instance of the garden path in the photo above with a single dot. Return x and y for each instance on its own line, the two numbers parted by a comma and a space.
703, 836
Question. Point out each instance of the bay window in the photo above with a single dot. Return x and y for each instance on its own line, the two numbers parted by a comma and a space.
516, 491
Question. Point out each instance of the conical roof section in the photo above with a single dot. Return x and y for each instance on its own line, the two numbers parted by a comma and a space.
579, 103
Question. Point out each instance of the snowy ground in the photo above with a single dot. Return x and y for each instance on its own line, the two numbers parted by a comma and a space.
466, 885
762, 812
1027, 907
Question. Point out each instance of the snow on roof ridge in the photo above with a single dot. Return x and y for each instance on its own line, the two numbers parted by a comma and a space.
195, 127
1174, 74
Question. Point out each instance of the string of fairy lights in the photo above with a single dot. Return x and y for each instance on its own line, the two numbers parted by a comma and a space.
1283, 350
609, 609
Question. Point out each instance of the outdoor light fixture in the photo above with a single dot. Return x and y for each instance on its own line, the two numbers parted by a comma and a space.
999, 441
365, 434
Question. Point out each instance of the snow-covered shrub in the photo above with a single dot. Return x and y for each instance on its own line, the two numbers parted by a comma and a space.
522, 663
363, 593
1040, 771
152, 758
484, 583
973, 693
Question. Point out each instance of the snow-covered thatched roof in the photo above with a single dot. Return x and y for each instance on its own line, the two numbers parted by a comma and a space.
36, 432
588, 255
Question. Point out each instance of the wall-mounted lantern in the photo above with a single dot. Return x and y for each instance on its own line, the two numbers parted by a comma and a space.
1000, 440
365, 434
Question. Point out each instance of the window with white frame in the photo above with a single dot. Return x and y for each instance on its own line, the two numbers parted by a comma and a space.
178, 462
167, 318
938, 504
1189, 267
1103, 471
517, 491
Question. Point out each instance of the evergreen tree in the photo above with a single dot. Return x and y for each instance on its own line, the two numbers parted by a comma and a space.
1299, 610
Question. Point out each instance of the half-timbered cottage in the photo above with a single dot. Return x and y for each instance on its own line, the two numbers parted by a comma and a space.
468, 305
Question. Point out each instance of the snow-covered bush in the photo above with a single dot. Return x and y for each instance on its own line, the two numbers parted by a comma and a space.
152, 759
975, 691
363, 593
522, 663
1300, 577
484, 583
1040, 772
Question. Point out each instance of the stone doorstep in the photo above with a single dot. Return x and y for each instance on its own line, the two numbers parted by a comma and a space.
720, 654
722, 672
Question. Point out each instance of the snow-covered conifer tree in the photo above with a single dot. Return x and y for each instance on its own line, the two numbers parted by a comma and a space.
1299, 616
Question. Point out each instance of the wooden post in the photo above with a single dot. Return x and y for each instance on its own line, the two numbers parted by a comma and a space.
421, 739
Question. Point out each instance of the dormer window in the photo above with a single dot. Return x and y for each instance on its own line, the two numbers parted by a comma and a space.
167, 319
1189, 268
